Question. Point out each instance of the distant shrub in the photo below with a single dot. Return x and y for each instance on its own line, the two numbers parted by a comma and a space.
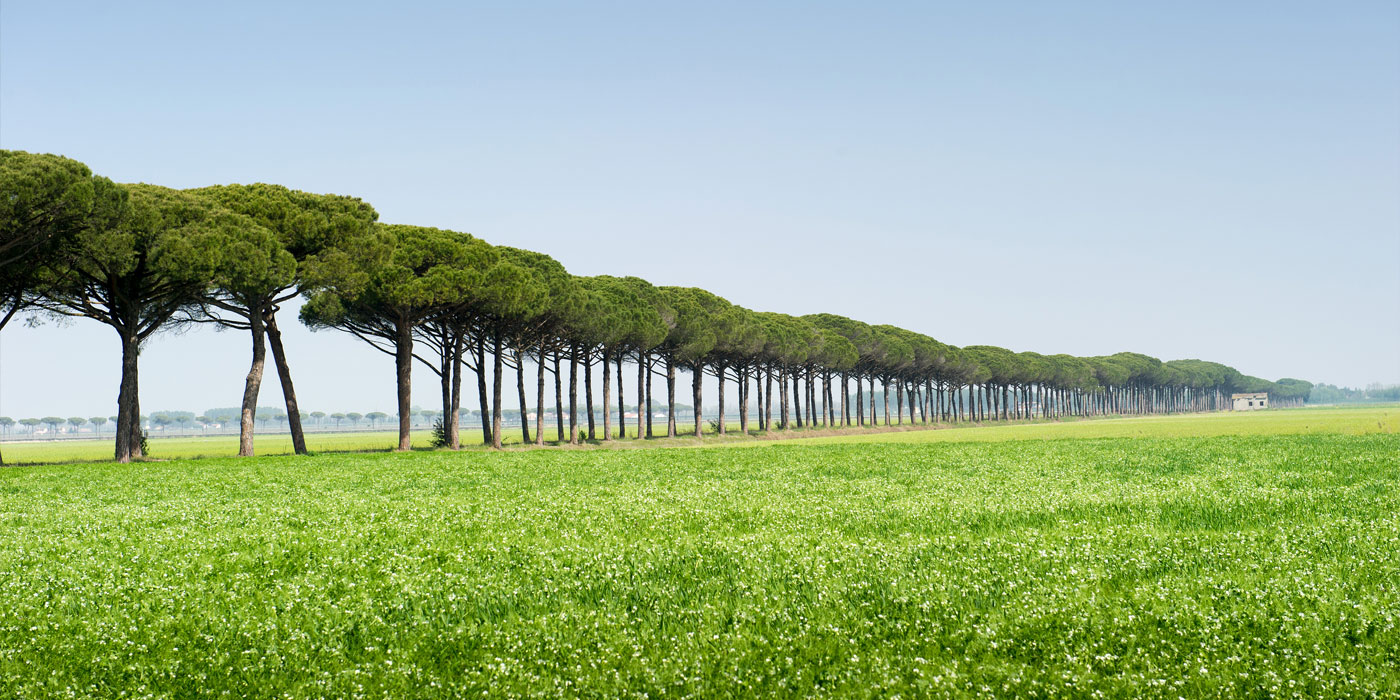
439, 434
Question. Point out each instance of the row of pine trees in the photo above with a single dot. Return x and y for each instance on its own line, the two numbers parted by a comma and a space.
143, 258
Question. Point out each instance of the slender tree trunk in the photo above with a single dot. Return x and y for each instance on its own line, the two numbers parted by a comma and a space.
874, 413
807, 413
784, 422
496, 393
539, 397
860, 402
284, 375
403, 361
828, 412
573, 394
797, 397
810, 383
696, 378
810, 395
845, 408
588, 392
621, 402
768, 398
482, 400
744, 401
720, 375
454, 421
670, 398
759, 393
251, 384
524, 405
445, 385
558, 399
644, 378
607, 391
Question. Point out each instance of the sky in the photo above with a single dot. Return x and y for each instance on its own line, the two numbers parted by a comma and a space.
1186, 180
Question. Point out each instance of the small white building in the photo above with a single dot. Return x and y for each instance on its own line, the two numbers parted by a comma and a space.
1249, 402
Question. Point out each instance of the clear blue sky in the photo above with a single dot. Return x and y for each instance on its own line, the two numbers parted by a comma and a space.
1194, 179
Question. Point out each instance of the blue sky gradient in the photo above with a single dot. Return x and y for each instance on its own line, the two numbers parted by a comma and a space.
1205, 180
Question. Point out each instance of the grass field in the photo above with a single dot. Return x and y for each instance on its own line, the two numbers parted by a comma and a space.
1259, 563
1349, 421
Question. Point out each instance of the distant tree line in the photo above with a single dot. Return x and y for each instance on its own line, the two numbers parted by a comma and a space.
143, 258
1329, 393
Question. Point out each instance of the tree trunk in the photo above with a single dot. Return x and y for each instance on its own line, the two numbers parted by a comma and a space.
720, 374
762, 399
697, 376
621, 402
284, 375
453, 423
823, 386
445, 385
744, 401
885, 398
558, 400
128, 405
670, 398
845, 410
809, 394
768, 398
607, 392
860, 402
524, 405
783, 398
588, 392
797, 398
403, 364
573, 394
874, 415
644, 370
539, 398
482, 400
496, 436
251, 384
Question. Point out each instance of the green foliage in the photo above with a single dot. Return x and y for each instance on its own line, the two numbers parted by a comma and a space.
304, 224
1329, 393
151, 257
48, 202
396, 275
440, 437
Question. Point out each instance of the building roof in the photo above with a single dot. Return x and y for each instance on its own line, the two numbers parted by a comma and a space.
1260, 395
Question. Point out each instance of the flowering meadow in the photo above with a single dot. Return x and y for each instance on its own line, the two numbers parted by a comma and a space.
1227, 566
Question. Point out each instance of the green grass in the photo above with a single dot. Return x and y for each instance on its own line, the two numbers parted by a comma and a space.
1300, 421
194, 446
1348, 421
1225, 566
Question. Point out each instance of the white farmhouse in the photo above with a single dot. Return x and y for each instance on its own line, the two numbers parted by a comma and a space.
1249, 402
